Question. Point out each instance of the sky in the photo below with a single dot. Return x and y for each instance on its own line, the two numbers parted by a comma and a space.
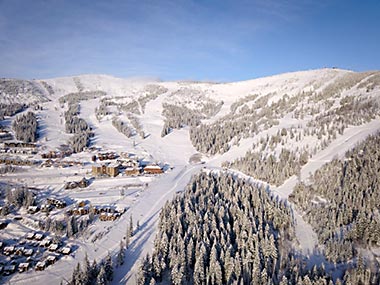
211, 40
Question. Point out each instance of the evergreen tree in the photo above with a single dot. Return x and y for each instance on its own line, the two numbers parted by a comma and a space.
101, 279
121, 254
108, 267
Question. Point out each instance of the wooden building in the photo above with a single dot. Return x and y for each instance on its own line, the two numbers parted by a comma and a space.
98, 169
41, 265
28, 252
51, 259
8, 250
110, 170
24, 266
153, 169
66, 250
113, 170
132, 171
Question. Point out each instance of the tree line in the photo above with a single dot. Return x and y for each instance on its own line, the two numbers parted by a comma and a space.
269, 168
341, 203
25, 127
225, 230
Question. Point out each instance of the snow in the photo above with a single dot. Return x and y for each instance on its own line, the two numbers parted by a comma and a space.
143, 196
351, 137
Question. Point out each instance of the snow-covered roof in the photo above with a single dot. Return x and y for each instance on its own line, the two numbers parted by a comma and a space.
41, 264
29, 235
28, 251
51, 258
152, 166
66, 250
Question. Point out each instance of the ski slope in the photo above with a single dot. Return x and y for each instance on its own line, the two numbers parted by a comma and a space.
144, 202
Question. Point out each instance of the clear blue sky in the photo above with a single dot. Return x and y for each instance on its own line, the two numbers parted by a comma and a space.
186, 39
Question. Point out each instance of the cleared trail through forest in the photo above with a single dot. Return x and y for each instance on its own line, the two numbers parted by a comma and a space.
352, 136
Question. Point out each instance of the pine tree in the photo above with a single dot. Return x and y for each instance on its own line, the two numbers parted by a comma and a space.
102, 276
94, 271
121, 254
77, 277
145, 272
131, 226
86, 270
108, 267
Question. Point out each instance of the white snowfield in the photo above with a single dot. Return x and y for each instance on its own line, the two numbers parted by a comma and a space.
143, 197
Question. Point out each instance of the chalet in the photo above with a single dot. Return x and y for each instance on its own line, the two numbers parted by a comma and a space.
98, 169
79, 211
24, 266
51, 259
53, 247
46, 242
132, 171
109, 216
28, 252
152, 169
56, 154
74, 184
58, 203
19, 250
107, 156
8, 250
41, 265
113, 170
66, 250
49, 155
38, 237
29, 235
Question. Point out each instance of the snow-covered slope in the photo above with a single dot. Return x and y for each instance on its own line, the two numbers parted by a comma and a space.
323, 112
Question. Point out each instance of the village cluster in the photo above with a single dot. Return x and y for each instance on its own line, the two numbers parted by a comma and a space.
39, 249
124, 162
35, 250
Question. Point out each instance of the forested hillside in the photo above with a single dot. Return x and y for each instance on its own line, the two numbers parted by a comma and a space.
25, 127
317, 119
224, 230
342, 202
244, 142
